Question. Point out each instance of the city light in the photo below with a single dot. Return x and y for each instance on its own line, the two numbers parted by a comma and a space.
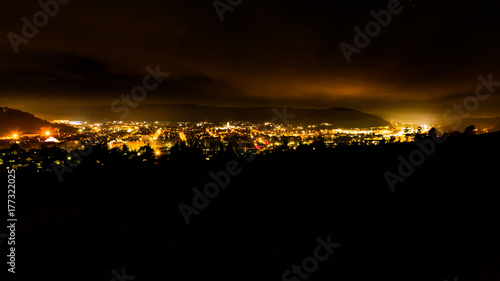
257, 138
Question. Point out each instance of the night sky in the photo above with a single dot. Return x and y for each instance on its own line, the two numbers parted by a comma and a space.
264, 53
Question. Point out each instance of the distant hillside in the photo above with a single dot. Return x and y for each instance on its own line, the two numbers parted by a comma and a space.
338, 117
13, 120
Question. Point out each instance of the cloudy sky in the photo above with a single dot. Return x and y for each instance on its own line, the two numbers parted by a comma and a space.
264, 53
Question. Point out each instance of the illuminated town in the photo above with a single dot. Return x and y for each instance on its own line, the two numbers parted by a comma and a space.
161, 137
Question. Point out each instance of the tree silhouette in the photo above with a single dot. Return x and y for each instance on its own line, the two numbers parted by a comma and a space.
470, 130
146, 152
318, 145
432, 132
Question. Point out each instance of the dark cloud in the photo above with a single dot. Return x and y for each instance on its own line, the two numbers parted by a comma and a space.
264, 53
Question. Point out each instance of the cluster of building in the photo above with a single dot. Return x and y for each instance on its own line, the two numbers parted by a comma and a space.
161, 137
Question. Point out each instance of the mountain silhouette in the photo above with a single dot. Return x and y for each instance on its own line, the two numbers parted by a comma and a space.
338, 117
13, 120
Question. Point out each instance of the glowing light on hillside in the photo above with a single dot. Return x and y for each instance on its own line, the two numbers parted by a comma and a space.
51, 139
47, 133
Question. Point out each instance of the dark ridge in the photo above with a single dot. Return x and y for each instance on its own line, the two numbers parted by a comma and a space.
13, 120
338, 117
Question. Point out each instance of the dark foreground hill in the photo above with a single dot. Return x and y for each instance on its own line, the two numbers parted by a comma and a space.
442, 222
13, 120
